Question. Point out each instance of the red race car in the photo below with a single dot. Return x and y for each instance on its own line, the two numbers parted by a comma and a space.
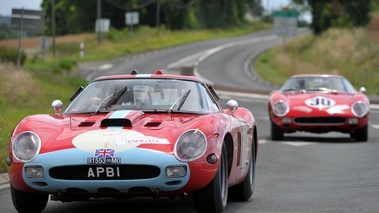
135, 135
319, 103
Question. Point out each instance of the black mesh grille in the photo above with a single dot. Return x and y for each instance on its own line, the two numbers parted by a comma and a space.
320, 120
105, 172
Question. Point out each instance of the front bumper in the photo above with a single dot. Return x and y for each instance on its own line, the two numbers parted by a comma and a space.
133, 170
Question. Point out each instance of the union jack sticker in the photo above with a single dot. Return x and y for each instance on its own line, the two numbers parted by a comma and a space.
104, 153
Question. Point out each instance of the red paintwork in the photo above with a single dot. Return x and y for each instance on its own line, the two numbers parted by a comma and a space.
297, 100
57, 132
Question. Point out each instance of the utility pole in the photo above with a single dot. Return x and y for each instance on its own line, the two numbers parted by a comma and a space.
20, 39
53, 24
158, 16
99, 21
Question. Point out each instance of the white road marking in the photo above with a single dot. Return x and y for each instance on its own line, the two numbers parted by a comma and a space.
296, 143
105, 66
376, 126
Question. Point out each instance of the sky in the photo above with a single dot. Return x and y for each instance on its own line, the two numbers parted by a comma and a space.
271, 5
7, 5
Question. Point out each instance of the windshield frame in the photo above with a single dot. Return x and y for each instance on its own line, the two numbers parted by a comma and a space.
335, 84
145, 94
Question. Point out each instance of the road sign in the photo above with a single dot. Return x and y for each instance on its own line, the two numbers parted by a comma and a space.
285, 23
102, 25
28, 20
131, 18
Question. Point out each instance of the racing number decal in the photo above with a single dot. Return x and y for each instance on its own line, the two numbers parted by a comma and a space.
320, 101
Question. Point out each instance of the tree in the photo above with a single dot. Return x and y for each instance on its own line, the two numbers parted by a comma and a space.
74, 16
337, 13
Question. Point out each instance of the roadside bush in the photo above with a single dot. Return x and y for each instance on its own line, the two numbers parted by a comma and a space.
64, 64
10, 55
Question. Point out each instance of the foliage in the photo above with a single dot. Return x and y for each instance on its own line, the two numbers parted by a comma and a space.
10, 55
73, 16
6, 32
354, 55
337, 13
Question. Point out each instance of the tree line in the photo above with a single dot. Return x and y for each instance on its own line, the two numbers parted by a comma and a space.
72, 16
337, 13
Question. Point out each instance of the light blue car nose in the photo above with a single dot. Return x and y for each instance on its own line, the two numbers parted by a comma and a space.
77, 157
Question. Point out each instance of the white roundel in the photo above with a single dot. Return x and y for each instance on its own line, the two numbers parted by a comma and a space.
116, 139
320, 102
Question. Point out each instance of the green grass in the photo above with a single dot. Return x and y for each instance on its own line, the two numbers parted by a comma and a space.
31, 90
351, 53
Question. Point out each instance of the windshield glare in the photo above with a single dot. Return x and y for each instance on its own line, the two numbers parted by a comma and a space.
144, 94
335, 84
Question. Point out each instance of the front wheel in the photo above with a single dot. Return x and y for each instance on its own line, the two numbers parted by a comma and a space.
361, 134
277, 133
244, 190
213, 197
28, 202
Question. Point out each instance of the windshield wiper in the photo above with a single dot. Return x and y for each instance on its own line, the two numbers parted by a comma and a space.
182, 100
294, 89
112, 99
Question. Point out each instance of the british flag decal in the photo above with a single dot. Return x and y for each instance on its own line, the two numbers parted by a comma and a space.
104, 153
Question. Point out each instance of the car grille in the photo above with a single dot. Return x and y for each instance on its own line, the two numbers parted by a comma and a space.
320, 120
105, 172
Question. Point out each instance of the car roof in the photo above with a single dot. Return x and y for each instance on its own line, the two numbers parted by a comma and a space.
315, 75
158, 74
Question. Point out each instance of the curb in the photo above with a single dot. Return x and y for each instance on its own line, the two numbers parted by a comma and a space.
4, 180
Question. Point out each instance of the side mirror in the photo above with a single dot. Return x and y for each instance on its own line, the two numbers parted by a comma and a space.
232, 105
362, 90
57, 106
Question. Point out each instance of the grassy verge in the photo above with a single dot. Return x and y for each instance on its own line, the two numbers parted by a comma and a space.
351, 53
32, 89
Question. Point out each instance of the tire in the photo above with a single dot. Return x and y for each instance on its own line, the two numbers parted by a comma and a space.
28, 202
213, 197
361, 134
244, 190
277, 134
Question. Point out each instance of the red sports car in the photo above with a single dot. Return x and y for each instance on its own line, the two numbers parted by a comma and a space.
319, 104
135, 135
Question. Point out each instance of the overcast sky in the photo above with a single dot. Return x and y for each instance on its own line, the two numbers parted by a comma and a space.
7, 5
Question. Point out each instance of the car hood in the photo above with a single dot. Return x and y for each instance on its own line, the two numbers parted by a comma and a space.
313, 98
129, 118
128, 129
330, 103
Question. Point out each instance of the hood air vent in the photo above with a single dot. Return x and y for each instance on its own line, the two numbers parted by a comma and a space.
85, 123
116, 122
153, 124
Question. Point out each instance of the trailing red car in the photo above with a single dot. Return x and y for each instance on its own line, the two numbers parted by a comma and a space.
319, 103
135, 135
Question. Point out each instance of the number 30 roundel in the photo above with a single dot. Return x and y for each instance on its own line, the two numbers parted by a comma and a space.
320, 101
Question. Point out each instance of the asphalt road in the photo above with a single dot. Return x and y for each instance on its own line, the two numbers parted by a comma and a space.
303, 173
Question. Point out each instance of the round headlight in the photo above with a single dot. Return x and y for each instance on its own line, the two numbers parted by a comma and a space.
359, 109
280, 108
26, 146
190, 146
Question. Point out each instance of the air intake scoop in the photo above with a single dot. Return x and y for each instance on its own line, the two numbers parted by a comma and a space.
116, 122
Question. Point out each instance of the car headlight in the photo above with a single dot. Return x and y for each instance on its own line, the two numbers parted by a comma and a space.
359, 109
26, 146
190, 146
280, 108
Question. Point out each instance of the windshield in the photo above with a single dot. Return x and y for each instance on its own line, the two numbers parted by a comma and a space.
318, 83
144, 94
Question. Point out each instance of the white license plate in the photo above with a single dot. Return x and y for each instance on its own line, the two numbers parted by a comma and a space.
103, 172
